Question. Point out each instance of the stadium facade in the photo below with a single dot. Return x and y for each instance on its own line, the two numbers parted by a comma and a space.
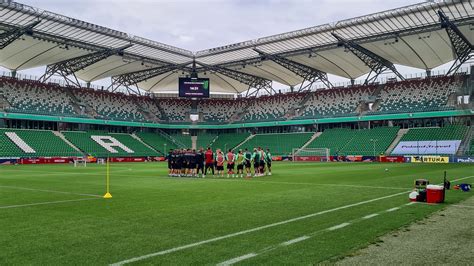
141, 114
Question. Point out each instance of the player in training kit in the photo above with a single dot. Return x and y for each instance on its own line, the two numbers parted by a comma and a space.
179, 162
256, 161
209, 158
268, 160
220, 159
230, 157
200, 162
262, 161
168, 158
239, 161
248, 162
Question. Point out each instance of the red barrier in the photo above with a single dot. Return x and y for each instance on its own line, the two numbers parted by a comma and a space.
127, 159
392, 159
45, 160
309, 158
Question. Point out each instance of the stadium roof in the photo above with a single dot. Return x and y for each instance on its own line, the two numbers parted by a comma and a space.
409, 36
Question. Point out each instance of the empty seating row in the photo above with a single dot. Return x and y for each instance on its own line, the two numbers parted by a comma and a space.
279, 144
33, 143
36, 98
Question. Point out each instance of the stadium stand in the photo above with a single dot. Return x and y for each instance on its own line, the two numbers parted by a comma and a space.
430, 94
335, 102
333, 139
176, 110
279, 144
113, 106
157, 142
269, 108
44, 143
184, 139
220, 111
34, 97
228, 140
451, 132
204, 140
369, 142
343, 141
83, 140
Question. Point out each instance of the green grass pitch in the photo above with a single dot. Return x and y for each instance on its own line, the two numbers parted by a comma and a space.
49, 214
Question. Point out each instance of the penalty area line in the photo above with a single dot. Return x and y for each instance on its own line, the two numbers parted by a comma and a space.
44, 203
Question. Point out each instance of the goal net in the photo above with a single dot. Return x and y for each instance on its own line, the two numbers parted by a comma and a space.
80, 161
311, 155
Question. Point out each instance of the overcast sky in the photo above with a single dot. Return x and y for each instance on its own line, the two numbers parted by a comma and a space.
197, 25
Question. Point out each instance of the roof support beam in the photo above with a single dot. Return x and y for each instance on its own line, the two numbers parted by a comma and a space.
9, 36
133, 78
308, 73
461, 45
252, 81
69, 67
376, 63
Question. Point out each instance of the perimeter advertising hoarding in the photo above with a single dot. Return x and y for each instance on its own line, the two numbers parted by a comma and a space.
427, 147
194, 88
429, 159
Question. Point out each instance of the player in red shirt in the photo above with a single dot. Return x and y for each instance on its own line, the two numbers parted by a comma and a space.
209, 158
230, 157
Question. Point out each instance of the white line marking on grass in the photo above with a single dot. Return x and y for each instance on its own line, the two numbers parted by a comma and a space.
411, 203
167, 251
339, 226
462, 178
44, 203
393, 209
235, 260
52, 191
463, 206
370, 216
296, 240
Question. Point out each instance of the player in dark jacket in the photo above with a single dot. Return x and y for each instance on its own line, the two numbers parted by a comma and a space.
200, 162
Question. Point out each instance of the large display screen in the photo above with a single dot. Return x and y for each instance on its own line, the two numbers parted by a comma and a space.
193, 88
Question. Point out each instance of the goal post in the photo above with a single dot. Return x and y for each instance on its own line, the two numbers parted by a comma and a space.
311, 155
80, 161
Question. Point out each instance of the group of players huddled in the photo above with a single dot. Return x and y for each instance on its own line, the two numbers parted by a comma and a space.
192, 163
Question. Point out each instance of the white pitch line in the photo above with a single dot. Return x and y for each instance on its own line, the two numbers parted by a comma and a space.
370, 216
462, 206
44, 203
52, 191
235, 260
171, 250
339, 226
411, 203
296, 240
393, 209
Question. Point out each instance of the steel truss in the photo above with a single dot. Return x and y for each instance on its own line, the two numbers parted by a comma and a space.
254, 82
376, 63
461, 45
69, 67
131, 79
9, 36
309, 74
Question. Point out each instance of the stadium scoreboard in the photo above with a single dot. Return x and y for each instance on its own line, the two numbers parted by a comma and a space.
194, 87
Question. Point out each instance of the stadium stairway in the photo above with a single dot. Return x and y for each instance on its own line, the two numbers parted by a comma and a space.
61, 136
245, 141
315, 135
397, 139
170, 138
144, 143
74, 101
465, 147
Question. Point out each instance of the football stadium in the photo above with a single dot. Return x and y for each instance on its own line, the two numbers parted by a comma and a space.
314, 146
